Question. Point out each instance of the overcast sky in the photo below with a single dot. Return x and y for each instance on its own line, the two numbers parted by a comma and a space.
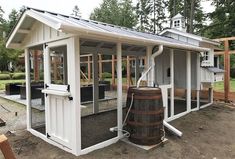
65, 6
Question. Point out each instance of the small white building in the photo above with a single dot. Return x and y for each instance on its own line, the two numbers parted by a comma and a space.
78, 116
210, 71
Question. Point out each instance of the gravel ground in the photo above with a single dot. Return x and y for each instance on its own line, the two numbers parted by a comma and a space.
207, 134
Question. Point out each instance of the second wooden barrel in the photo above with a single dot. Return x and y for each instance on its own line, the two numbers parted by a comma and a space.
145, 120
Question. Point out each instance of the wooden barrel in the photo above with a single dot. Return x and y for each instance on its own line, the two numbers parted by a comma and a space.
145, 120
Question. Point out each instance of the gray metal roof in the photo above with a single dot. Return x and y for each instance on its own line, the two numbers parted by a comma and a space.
215, 70
100, 27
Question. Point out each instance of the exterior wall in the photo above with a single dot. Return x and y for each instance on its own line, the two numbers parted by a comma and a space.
206, 75
180, 69
162, 66
41, 33
194, 71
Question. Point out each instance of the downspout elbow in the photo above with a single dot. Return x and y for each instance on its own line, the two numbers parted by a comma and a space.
157, 53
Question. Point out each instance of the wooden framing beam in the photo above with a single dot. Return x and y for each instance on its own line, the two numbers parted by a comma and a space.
36, 65
225, 39
119, 90
137, 69
128, 72
6, 148
227, 71
113, 70
188, 80
105, 51
100, 66
89, 68
222, 52
95, 84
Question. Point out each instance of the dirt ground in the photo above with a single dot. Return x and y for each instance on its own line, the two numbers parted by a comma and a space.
208, 133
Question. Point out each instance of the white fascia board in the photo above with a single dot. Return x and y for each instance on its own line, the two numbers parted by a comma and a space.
43, 18
36, 16
211, 41
78, 29
15, 31
195, 37
182, 33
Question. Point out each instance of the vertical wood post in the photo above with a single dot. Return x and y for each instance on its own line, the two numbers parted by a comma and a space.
137, 69
227, 71
89, 68
95, 84
55, 61
100, 67
198, 80
188, 80
36, 65
74, 66
6, 148
172, 82
28, 90
128, 72
119, 88
113, 70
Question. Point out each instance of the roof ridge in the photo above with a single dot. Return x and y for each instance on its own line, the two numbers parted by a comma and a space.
90, 20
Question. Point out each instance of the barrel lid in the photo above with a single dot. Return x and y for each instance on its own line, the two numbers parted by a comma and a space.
145, 88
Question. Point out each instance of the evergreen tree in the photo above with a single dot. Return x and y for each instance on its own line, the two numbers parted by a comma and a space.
143, 10
222, 19
7, 55
115, 12
158, 17
13, 18
108, 12
128, 17
76, 12
191, 10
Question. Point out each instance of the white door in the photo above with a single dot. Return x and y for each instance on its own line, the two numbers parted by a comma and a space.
57, 90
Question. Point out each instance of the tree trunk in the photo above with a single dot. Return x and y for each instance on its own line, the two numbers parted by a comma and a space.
191, 16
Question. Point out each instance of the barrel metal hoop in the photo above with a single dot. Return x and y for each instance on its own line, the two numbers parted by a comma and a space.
134, 123
143, 112
144, 97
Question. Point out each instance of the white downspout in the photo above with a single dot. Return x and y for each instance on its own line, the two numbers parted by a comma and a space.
154, 55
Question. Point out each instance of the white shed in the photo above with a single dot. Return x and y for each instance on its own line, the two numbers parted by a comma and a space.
78, 115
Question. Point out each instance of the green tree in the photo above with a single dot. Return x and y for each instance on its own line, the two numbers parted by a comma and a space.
7, 55
108, 12
13, 18
117, 12
143, 10
128, 17
192, 11
158, 15
222, 19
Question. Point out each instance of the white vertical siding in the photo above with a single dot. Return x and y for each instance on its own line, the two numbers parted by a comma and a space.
41, 33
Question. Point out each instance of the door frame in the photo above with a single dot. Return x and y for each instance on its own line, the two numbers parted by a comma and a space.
57, 87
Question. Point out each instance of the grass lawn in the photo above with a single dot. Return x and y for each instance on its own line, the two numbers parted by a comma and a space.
3, 82
219, 86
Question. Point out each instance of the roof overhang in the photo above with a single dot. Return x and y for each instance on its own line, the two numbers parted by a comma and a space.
17, 30
195, 37
67, 26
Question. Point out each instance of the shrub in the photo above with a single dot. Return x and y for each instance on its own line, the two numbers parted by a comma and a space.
106, 75
5, 77
18, 75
